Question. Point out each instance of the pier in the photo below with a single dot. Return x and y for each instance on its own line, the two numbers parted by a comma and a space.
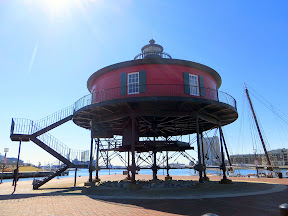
53, 197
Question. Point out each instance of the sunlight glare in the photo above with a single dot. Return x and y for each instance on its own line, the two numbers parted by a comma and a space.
56, 8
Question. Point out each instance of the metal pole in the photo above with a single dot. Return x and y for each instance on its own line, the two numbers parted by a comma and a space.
133, 180
91, 159
128, 164
154, 163
167, 163
154, 166
222, 154
199, 150
226, 149
203, 158
97, 159
107, 158
17, 168
167, 159
258, 128
58, 168
75, 177
3, 167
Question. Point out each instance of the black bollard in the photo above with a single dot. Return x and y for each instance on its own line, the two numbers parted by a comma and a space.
283, 209
209, 214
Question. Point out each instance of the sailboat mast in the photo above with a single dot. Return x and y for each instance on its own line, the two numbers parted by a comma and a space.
258, 128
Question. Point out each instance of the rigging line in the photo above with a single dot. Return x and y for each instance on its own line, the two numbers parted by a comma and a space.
210, 144
251, 121
283, 135
227, 142
267, 102
264, 136
254, 133
272, 108
265, 140
263, 133
241, 136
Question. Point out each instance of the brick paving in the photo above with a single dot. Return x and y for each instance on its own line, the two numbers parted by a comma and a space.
58, 197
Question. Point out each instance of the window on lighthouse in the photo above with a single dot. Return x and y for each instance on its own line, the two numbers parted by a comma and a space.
194, 84
133, 83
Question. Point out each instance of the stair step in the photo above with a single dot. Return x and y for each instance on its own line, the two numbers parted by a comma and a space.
38, 184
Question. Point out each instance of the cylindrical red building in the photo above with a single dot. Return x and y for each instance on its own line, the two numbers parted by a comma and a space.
153, 96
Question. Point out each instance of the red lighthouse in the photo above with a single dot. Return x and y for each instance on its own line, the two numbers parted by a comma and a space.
154, 96
147, 103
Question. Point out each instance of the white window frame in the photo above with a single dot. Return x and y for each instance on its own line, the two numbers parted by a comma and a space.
134, 84
194, 85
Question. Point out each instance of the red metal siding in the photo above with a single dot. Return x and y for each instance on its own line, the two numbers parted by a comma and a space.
155, 73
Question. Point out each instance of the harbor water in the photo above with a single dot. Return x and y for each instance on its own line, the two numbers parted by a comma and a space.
172, 172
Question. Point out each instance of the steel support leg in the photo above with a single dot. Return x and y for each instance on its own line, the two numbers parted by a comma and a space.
223, 167
200, 167
75, 177
91, 159
16, 172
226, 149
203, 157
154, 165
128, 165
167, 163
97, 159
133, 170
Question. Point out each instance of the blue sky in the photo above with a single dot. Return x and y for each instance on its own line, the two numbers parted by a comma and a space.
49, 50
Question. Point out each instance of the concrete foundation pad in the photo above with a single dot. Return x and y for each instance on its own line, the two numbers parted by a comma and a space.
167, 178
206, 179
133, 187
226, 181
89, 183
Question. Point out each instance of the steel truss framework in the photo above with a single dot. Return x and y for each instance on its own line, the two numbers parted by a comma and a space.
107, 151
106, 155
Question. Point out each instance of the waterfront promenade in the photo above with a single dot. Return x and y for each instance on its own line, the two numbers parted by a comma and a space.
59, 197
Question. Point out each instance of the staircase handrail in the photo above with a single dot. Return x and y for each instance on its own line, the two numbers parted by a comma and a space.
61, 148
28, 127
23, 126
55, 117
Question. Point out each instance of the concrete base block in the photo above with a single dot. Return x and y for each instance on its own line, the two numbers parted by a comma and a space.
226, 181
206, 179
167, 178
283, 209
89, 184
128, 178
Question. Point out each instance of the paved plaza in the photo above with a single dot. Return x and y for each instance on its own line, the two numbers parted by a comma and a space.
59, 197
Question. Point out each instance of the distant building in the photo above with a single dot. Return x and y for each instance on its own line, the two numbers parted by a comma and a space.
85, 155
278, 157
13, 161
2, 158
212, 153
255, 159
176, 165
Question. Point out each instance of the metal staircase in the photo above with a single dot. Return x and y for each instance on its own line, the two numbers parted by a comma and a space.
37, 132
38, 183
